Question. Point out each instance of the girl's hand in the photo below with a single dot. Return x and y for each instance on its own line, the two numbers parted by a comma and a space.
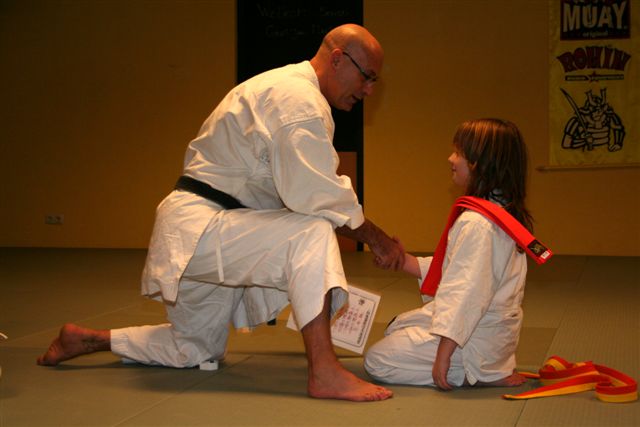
441, 366
439, 373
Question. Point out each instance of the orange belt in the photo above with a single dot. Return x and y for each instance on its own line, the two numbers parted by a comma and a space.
561, 377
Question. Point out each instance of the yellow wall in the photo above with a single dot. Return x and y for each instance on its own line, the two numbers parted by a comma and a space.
101, 98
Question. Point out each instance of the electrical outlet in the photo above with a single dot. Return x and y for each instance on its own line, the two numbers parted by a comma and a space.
54, 219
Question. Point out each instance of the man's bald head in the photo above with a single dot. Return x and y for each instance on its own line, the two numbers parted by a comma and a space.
347, 65
351, 37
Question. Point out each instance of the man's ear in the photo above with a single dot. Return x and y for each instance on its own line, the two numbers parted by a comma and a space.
336, 57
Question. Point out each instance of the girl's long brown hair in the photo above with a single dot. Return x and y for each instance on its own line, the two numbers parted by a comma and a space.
497, 159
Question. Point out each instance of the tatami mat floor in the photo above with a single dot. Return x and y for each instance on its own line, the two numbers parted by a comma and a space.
581, 308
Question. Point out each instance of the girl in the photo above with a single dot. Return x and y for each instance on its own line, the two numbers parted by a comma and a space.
468, 334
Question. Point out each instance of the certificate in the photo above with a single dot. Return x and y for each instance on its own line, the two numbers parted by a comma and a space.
351, 326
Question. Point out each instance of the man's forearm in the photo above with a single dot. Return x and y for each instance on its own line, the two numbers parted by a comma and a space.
388, 252
368, 233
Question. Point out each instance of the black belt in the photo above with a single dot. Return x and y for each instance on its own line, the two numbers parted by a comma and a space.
208, 192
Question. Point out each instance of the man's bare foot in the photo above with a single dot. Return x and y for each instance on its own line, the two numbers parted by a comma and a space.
74, 341
328, 379
338, 383
512, 380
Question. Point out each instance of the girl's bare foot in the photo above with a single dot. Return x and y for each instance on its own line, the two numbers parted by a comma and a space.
512, 380
74, 341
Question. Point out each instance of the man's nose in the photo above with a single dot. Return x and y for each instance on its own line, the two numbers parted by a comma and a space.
368, 88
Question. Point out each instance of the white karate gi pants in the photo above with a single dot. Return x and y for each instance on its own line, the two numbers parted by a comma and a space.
401, 358
268, 257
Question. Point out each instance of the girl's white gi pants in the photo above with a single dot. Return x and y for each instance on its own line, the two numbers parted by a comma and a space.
405, 358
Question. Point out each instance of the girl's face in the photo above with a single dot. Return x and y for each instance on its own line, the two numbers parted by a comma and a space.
459, 169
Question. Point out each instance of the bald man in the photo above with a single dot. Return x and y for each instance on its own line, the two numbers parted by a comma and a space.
252, 223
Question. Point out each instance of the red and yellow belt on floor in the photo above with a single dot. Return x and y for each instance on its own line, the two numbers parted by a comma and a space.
561, 377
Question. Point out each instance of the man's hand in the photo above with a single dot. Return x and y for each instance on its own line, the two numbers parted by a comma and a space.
389, 254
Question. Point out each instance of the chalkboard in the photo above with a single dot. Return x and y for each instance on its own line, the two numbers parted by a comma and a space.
273, 33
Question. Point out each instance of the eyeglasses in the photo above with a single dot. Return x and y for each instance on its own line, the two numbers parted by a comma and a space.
368, 78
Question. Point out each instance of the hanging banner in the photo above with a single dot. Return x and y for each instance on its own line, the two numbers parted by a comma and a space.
594, 83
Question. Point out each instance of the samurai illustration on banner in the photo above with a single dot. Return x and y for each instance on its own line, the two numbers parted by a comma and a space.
594, 104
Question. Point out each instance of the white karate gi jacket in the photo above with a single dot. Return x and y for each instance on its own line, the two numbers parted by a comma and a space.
269, 143
477, 305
